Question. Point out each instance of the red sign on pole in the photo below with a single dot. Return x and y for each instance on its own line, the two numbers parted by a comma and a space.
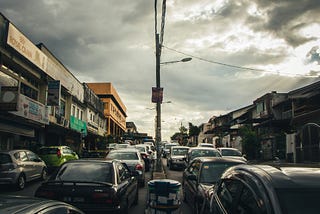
157, 95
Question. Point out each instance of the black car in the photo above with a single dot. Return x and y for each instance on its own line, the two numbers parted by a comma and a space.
200, 177
93, 186
264, 189
30, 205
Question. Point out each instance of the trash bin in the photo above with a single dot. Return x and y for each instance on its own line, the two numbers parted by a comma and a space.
163, 196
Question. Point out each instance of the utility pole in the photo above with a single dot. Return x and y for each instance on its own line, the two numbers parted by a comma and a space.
158, 106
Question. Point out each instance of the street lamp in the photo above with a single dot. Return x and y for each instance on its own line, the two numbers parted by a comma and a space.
176, 61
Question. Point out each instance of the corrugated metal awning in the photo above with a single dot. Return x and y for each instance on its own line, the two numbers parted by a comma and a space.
17, 129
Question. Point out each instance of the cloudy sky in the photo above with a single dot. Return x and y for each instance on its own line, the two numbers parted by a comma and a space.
241, 50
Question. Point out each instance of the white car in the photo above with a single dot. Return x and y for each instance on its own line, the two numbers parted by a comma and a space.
231, 153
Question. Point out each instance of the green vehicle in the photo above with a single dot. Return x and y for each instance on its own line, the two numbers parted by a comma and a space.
54, 156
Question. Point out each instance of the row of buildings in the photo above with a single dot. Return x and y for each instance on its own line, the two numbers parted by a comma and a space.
43, 103
287, 125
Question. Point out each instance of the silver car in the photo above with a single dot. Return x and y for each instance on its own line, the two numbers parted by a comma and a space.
133, 159
20, 166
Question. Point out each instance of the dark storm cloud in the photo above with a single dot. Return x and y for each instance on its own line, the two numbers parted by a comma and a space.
285, 18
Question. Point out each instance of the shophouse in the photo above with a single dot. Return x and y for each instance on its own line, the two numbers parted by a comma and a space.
114, 109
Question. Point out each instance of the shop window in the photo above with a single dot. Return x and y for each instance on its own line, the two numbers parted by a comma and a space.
28, 91
62, 108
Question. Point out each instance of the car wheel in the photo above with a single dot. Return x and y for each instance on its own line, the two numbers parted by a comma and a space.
44, 174
136, 198
21, 182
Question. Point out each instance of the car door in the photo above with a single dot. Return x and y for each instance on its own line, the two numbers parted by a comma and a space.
125, 183
190, 178
25, 164
36, 165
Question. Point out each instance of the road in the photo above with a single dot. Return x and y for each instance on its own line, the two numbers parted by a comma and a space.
139, 209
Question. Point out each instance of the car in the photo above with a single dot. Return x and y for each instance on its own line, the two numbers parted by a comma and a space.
19, 166
133, 159
94, 154
167, 147
199, 178
12, 204
195, 152
267, 189
231, 153
122, 145
176, 157
93, 186
145, 153
206, 145
55, 156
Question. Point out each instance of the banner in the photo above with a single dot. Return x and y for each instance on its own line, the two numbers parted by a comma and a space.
157, 95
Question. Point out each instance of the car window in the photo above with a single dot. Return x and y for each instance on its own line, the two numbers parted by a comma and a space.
32, 156
48, 151
248, 202
212, 171
124, 155
179, 151
227, 192
194, 168
5, 158
124, 173
22, 156
101, 172
230, 152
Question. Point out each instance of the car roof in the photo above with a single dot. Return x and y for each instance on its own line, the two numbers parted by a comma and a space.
202, 148
182, 147
219, 159
283, 177
227, 148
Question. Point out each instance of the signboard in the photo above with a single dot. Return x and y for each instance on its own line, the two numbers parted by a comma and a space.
54, 93
157, 95
30, 109
9, 98
78, 125
26, 48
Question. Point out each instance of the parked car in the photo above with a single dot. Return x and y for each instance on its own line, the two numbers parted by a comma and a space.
231, 153
167, 148
20, 166
200, 177
122, 146
93, 186
145, 154
266, 189
54, 156
133, 159
94, 154
10, 204
195, 152
176, 157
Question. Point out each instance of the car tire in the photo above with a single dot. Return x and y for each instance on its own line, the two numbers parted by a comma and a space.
21, 182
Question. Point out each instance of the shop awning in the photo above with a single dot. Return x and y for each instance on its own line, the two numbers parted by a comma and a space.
17, 129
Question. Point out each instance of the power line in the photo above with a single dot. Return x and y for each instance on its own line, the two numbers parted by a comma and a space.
235, 66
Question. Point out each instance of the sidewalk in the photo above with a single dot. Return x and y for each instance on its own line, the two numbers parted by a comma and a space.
158, 173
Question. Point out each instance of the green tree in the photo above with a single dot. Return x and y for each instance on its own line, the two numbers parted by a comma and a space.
193, 130
250, 142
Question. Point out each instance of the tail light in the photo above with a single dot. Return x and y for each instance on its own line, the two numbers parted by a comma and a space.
45, 194
139, 167
59, 153
106, 198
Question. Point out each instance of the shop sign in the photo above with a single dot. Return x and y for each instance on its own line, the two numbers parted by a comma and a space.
9, 98
78, 125
54, 93
26, 48
30, 109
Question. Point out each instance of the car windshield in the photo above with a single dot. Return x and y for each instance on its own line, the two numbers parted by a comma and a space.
141, 149
123, 155
100, 172
179, 151
230, 152
291, 200
212, 171
204, 153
